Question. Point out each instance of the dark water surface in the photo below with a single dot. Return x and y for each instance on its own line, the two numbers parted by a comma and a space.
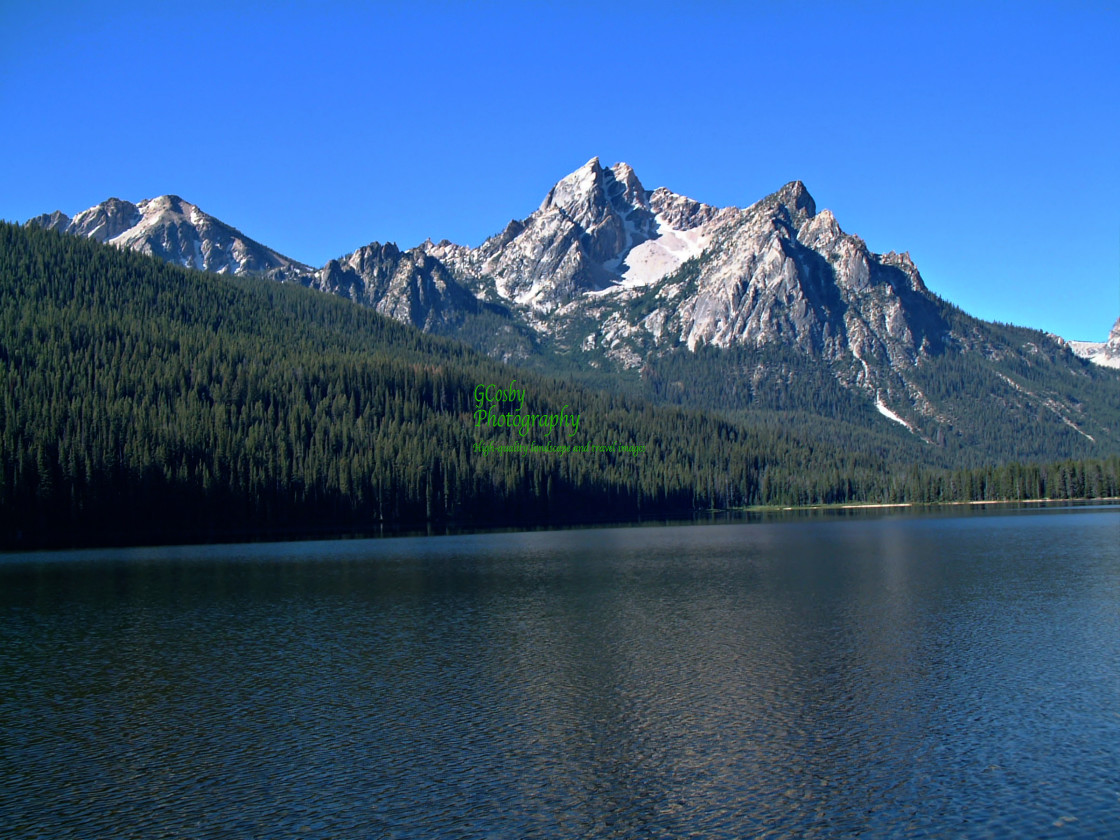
943, 676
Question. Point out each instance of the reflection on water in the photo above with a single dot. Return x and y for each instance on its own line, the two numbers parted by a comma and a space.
894, 677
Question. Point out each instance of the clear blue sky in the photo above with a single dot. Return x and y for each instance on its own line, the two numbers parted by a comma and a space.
982, 138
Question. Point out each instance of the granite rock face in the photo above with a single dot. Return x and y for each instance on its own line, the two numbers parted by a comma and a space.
784, 273
103, 223
410, 286
777, 271
573, 244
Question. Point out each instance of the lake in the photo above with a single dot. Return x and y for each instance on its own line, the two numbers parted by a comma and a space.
918, 675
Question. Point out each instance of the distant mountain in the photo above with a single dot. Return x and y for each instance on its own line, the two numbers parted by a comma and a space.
771, 308
410, 286
1104, 353
175, 230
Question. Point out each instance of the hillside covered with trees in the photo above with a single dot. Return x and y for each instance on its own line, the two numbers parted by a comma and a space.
144, 402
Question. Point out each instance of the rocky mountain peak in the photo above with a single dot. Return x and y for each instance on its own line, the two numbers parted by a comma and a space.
820, 230
369, 258
175, 230
106, 221
573, 243
683, 213
576, 189
51, 221
411, 286
115, 206
593, 190
166, 204
796, 201
626, 187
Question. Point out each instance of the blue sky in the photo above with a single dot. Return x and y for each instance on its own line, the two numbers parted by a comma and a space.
982, 138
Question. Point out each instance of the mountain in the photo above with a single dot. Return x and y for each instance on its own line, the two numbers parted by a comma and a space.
1104, 353
159, 403
596, 231
774, 307
772, 311
176, 231
410, 286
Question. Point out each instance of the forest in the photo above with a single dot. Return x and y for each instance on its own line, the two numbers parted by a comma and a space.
143, 402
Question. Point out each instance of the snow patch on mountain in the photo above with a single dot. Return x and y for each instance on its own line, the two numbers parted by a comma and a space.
654, 259
881, 407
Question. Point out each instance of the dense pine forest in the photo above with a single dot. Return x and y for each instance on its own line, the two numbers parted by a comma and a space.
143, 402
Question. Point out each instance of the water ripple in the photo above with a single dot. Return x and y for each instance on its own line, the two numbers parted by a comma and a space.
894, 678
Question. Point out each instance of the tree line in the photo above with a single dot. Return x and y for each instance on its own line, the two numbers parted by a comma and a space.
140, 402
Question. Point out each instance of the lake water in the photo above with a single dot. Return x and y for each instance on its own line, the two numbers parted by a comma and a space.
898, 676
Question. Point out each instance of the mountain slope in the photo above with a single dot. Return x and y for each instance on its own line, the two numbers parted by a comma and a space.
140, 400
786, 296
612, 282
175, 230
410, 287
796, 307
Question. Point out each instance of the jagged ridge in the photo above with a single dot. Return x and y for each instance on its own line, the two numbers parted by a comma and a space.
177, 231
618, 276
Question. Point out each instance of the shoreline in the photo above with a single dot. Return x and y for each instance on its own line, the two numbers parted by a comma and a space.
880, 505
697, 517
